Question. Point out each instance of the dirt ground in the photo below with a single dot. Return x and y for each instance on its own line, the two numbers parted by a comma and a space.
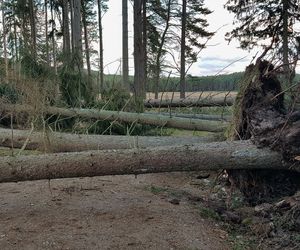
114, 212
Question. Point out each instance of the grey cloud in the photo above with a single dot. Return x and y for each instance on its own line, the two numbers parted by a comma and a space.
223, 60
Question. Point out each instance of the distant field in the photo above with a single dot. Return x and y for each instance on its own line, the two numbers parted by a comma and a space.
191, 95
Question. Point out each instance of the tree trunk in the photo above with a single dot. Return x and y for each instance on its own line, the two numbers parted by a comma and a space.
182, 50
101, 65
4, 42
285, 42
139, 76
63, 142
156, 120
210, 156
195, 116
125, 66
160, 50
66, 30
201, 102
86, 39
53, 39
32, 27
145, 43
46, 33
72, 25
77, 34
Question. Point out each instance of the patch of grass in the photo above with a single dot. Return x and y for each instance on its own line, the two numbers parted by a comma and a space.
241, 243
209, 213
156, 189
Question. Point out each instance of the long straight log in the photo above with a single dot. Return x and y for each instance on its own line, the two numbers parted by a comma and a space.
196, 116
209, 156
156, 120
211, 101
64, 142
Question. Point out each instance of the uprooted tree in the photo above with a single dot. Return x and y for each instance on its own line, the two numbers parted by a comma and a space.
260, 115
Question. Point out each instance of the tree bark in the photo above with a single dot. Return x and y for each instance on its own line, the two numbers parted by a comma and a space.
202, 102
31, 7
53, 39
4, 42
182, 50
210, 156
66, 29
46, 32
101, 64
86, 39
285, 42
125, 66
62, 142
139, 74
156, 120
195, 116
160, 50
77, 34
145, 44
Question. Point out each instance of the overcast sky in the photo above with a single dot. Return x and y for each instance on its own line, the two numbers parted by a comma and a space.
218, 54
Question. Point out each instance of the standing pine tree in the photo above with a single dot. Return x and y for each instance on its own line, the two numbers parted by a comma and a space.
193, 30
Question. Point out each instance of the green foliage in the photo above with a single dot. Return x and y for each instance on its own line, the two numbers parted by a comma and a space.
196, 25
116, 98
209, 213
76, 87
256, 21
32, 68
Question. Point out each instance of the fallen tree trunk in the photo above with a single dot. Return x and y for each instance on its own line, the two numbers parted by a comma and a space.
209, 156
150, 119
64, 142
211, 101
196, 116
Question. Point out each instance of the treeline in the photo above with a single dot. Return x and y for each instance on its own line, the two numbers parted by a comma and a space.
228, 82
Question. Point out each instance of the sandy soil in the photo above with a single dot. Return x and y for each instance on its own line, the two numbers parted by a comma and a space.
120, 212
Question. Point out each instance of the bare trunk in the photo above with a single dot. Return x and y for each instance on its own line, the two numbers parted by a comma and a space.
32, 27
196, 116
201, 102
63, 142
182, 52
53, 40
159, 53
156, 120
139, 74
46, 33
66, 30
4, 42
125, 68
285, 46
72, 24
210, 156
145, 42
101, 64
77, 34
86, 39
